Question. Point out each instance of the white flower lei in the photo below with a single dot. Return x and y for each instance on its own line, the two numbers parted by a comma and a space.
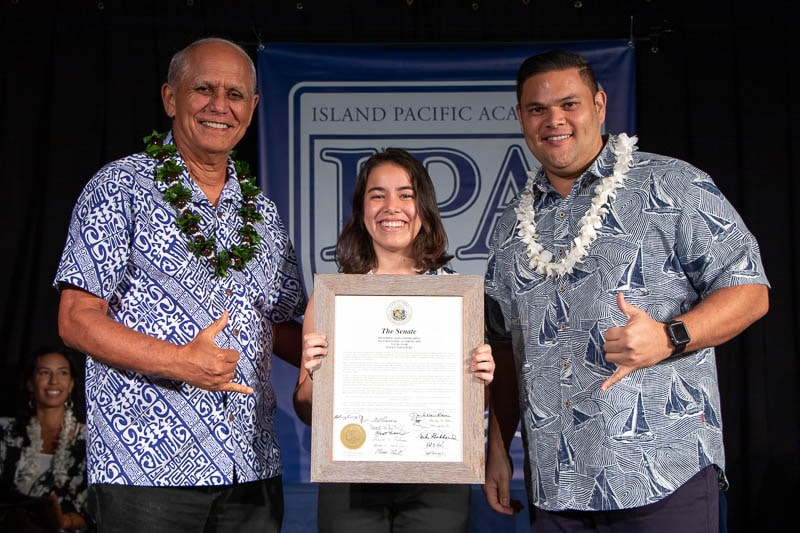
592, 220
27, 469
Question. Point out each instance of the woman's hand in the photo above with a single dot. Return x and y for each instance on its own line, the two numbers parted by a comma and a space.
315, 347
483, 363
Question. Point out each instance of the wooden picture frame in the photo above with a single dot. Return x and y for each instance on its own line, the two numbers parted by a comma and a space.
410, 411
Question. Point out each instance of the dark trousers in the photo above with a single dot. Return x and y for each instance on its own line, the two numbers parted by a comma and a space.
393, 508
692, 508
255, 506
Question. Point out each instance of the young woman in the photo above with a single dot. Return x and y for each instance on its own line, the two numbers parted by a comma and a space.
394, 228
43, 451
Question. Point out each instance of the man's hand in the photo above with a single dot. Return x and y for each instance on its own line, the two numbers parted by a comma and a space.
641, 343
211, 367
497, 483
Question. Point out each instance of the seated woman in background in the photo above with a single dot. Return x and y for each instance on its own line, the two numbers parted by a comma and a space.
43, 451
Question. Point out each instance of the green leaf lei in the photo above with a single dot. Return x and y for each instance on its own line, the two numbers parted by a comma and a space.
169, 171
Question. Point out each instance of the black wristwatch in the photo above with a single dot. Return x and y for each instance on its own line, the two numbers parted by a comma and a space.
678, 336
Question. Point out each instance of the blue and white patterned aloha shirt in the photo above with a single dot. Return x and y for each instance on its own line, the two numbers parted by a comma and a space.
670, 239
125, 247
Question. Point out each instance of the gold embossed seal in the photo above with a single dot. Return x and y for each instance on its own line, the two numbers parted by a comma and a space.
353, 436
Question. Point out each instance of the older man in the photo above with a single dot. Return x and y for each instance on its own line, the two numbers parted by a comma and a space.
175, 271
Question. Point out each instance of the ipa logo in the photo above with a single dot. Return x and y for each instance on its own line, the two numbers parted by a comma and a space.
467, 136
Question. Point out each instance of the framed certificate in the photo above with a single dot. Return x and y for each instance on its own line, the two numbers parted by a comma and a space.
395, 400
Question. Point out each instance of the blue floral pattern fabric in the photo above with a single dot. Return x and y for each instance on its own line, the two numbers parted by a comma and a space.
124, 246
670, 239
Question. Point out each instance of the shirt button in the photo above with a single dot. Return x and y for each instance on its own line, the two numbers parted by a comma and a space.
230, 417
228, 292
562, 327
219, 214
561, 214
565, 365
561, 288
236, 332
567, 403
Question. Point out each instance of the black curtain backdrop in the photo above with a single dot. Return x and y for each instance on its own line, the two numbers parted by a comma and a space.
716, 86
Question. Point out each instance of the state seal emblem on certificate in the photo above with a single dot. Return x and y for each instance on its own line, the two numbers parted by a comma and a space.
399, 312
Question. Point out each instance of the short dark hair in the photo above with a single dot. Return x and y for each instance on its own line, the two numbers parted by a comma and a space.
355, 253
555, 60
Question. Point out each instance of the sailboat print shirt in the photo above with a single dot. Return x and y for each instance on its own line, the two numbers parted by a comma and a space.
669, 239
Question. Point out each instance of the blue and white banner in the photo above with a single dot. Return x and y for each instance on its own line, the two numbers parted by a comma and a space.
325, 108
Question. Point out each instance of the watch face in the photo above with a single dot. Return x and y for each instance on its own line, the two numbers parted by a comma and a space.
678, 333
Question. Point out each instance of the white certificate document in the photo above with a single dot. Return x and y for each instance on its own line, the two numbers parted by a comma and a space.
398, 379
